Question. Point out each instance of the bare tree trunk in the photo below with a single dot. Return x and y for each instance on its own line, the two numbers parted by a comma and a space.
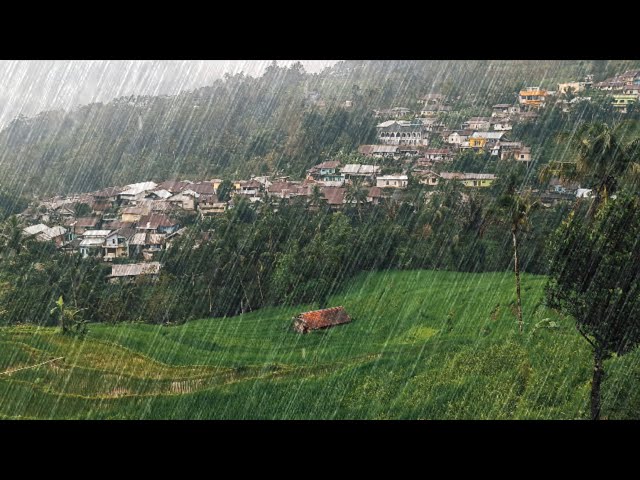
210, 305
516, 269
598, 375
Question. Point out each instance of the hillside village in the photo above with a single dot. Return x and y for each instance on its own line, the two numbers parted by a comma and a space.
414, 148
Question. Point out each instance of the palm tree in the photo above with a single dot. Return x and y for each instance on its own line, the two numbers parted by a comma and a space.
316, 197
515, 210
599, 158
356, 194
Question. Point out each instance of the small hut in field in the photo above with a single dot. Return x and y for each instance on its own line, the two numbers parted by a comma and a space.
319, 319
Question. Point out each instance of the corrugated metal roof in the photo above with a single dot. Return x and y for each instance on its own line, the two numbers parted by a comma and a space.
136, 188
354, 168
393, 177
138, 239
467, 176
488, 135
91, 242
385, 148
96, 233
154, 221
35, 229
161, 193
135, 269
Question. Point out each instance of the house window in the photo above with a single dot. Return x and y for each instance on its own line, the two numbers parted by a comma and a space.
521, 156
387, 182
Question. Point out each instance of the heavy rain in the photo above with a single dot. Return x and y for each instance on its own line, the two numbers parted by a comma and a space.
320, 239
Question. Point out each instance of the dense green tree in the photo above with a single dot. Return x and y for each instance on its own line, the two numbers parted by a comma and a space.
600, 160
224, 190
81, 210
595, 278
12, 238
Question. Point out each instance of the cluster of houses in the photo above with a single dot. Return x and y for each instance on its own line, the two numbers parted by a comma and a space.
402, 138
139, 220
624, 88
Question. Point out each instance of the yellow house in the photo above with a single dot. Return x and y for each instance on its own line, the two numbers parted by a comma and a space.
477, 142
532, 96
216, 183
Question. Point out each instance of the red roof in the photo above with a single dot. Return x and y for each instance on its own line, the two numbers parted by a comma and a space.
329, 164
318, 319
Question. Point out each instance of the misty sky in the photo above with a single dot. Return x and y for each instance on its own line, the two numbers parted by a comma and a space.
30, 86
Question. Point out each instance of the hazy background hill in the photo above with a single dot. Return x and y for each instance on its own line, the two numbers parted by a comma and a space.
238, 124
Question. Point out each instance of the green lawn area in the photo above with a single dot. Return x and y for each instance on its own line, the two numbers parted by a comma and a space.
422, 345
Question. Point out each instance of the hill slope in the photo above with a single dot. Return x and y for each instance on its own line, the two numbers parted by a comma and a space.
243, 125
422, 345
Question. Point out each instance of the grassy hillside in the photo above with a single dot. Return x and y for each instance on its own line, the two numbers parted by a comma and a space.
422, 345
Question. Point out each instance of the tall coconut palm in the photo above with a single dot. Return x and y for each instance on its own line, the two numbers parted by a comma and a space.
513, 210
316, 197
356, 195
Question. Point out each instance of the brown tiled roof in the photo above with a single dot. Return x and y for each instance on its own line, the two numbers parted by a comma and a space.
334, 195
203, 188
281, 187
126, 232
83, 222
174, 186
117, 224
318, 319
329, 164
463, 132
135, 211
375, 192
250, 184
366, 149
154, 221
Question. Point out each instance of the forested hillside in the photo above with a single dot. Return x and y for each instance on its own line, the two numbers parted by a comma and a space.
243, 125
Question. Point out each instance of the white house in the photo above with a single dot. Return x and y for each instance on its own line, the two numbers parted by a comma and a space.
395, 181
92, 241
458, 136
401, 132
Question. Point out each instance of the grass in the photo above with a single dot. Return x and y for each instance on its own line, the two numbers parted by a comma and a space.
422, 344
